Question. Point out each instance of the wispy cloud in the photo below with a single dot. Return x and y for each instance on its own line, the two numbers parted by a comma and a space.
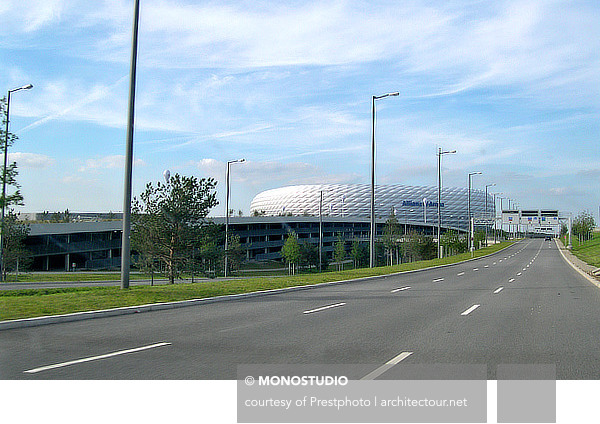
60, 94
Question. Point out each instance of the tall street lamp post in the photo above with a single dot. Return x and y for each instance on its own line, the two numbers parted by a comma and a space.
501, 214
227, 212
439, 202
486, 209
471, 244
126, 237
495, 217
372, 237
25, 87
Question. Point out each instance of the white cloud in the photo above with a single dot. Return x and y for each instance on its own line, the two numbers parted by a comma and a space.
30, 160
108, 162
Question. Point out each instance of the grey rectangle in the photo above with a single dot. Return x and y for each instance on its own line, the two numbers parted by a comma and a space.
526, 393
290, 394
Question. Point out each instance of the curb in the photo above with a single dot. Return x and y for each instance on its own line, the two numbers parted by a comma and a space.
591, 279
127, 310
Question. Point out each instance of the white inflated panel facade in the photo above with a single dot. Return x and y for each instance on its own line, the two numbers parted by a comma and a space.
354, 200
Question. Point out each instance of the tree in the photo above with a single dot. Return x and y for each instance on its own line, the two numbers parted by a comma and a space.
235, 254
583, 225
453, 243
16, 256
208, 252
391, 235
359, 253
309, 255
291, 251
420, 247
339, 252
14, 198
168, 220
478, 238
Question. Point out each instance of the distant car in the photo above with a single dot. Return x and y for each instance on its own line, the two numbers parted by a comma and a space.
548, 238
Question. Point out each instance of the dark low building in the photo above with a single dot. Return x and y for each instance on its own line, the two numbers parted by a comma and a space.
75, 245
97, 245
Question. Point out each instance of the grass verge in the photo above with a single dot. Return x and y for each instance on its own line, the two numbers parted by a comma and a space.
16, 304
588, 251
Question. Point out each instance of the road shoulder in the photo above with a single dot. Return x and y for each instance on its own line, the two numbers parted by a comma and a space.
583, 268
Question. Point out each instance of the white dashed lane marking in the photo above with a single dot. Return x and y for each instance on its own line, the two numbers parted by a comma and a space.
400, 289
471, 309
322, 308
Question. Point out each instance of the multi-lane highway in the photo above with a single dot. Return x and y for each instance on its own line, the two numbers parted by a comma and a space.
524, 305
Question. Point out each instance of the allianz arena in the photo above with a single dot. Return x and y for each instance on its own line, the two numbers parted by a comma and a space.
413, 205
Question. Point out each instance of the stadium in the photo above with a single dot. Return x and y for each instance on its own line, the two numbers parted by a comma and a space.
411, 204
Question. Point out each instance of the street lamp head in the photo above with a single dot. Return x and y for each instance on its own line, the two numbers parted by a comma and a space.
446, 152
242, 160
25, 87
386, 95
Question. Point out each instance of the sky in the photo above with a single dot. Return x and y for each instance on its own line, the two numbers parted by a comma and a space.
513, 86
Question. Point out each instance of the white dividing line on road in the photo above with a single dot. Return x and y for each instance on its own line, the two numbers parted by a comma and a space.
475, 269
95, 358
511, 280
437, 280
519, 273
389, 364
400, 289
460, 273
471, 309
498, 290
494, 263
322, 308
486, 266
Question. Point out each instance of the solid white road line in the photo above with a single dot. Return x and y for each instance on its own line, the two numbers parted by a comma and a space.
471, 309
498, 290
95, 358
437, 280
322, 308
400, 289
460, 273
389, 364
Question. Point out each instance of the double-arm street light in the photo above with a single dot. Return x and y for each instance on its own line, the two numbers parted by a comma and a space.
25, 87
372, 237
227, 211
471, 244
439, 202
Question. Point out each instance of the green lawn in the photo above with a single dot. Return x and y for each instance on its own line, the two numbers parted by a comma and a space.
588, 251
15, 304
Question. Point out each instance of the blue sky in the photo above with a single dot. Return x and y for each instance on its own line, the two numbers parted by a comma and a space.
514, 86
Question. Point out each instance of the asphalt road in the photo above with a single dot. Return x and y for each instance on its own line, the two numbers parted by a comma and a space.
524, 305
